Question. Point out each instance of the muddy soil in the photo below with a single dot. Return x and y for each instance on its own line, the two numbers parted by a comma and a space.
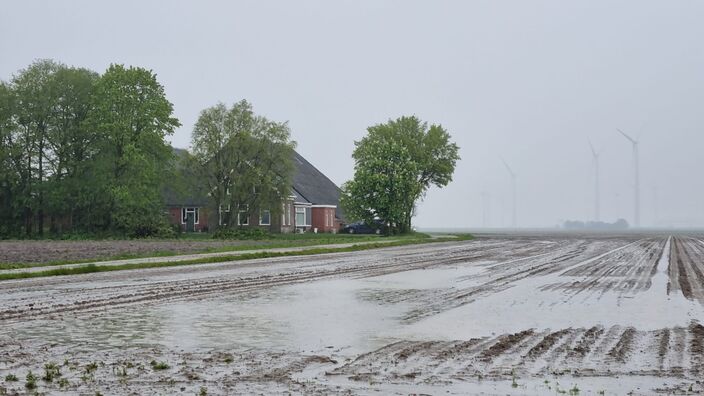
533, 314
36, 252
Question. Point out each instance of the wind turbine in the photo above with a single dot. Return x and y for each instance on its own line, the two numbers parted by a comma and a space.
595, 156
485, 209
513, 191
634, 143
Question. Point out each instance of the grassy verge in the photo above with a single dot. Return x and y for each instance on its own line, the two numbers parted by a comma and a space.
91, 268
287, 241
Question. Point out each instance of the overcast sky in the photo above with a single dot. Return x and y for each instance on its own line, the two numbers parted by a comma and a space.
529, 81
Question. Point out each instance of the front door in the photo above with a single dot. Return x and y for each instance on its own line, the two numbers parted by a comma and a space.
190, 222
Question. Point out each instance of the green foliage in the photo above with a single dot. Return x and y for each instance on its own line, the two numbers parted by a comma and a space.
245, 160
92, 366
82, 151
31, 381
11, 378
133, 117
241, 234
395, 164
159, 365
51, 371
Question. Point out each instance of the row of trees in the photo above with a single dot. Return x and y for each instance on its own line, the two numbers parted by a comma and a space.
83, 151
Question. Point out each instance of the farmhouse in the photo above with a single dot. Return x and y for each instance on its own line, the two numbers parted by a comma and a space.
313, 206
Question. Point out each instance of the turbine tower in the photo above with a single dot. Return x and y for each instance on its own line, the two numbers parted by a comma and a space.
634, 143
595, 157
485, 209
513, 192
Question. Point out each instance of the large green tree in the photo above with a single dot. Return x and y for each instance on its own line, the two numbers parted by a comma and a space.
72, 148
33, 115
85, 151
132, 115
395, 164
245, 160
10, 154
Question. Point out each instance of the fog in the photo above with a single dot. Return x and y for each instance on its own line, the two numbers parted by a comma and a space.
529, 82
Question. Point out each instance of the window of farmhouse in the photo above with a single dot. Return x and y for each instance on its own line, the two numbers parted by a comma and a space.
265, 217
301, 217
186, 211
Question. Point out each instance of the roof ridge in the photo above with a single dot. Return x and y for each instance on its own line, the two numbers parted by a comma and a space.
317, 170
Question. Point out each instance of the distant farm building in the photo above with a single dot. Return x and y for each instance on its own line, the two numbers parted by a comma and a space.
313, 206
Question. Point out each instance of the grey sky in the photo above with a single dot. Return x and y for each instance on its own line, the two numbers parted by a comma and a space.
530, 81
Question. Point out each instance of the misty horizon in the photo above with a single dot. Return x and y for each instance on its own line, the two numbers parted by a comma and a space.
531, 84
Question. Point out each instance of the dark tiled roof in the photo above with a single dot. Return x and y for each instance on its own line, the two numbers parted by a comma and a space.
297, 197
309, 185
184, 195
314, 186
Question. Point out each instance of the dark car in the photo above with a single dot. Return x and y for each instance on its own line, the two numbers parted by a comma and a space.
361, 227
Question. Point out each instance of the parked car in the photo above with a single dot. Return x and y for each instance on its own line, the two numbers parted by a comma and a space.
361, 227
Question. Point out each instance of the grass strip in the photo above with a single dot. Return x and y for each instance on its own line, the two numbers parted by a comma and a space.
92, 268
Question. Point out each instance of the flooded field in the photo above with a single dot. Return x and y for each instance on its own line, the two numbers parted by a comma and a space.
520, 314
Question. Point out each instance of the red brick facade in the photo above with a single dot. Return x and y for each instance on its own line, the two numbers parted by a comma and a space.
324, 218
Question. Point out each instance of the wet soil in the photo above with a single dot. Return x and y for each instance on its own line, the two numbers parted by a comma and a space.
37, 252
617, 314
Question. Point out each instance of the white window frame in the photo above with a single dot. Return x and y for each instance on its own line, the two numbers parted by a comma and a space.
186, 210
239, 213
260, 217
301, 209
220, 211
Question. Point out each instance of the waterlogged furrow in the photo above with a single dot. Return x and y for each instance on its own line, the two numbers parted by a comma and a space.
623, 271
595, 351
505, 275
686, 269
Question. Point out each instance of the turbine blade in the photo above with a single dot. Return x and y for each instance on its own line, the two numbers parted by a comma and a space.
627, 137
508, 168
591, 146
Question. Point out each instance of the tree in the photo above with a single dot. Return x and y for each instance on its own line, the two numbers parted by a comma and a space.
245, 159
72, 145
85, 151
395, 164
132, 116
9, 161
33, 112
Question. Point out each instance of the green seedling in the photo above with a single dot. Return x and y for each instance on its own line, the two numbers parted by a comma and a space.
11, 378
31, 381
63, 383
51, 371
91, 367
159, 365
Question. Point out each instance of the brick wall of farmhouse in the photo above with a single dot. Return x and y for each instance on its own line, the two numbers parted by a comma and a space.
323, 219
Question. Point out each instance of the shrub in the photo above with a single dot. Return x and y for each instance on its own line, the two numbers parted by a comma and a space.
241, 233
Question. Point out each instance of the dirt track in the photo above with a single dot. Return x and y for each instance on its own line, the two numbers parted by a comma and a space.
521, 314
